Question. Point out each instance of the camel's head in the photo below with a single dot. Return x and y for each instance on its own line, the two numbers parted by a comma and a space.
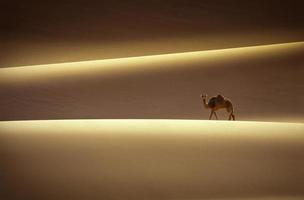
203, 96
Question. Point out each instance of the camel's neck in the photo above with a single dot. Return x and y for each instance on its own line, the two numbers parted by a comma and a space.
205, 103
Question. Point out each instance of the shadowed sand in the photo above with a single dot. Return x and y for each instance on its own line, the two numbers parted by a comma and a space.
151, 159
263, 82
35, 32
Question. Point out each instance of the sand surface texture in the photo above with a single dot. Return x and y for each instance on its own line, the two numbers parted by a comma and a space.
151, 159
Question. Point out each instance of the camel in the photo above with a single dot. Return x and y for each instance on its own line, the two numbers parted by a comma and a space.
218, 102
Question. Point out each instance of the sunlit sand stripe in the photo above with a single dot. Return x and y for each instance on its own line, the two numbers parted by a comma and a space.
263, 130
140, 63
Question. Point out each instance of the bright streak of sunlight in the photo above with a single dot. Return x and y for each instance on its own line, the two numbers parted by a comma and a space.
139, 64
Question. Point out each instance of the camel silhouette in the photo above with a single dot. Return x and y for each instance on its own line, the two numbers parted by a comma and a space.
217, 102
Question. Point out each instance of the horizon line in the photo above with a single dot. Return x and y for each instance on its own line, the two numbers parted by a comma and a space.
146, 120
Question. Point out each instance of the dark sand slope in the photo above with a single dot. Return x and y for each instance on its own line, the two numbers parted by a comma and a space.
264, 82
36, 32
151, 159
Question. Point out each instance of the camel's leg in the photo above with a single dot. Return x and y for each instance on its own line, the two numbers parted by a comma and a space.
215, 115
229, 111
231, 116
211, 114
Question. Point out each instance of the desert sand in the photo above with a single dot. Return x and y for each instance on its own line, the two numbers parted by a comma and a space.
41, 32
100, 99
264, 82
134, 128
151, 159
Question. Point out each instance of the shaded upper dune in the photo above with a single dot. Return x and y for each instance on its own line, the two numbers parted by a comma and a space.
34, 32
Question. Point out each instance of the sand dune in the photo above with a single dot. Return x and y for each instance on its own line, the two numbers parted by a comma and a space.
125, 127
35, 32
151, 159
264, 83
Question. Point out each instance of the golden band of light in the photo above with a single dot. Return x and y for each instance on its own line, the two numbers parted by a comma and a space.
141, 63
157, 126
